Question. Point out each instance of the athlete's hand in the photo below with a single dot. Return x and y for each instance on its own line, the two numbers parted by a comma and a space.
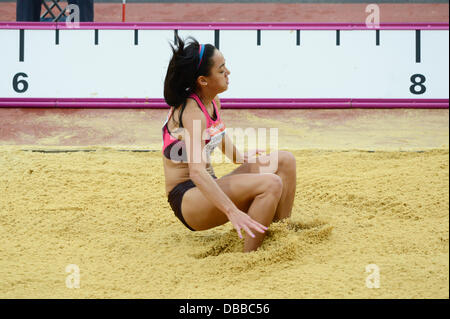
241, 221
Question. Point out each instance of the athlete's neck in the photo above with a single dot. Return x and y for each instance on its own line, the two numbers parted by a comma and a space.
205, 98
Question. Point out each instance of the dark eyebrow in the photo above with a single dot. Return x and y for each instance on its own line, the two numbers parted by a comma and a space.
221, 65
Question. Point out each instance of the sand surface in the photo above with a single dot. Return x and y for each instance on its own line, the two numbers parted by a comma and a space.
106, 212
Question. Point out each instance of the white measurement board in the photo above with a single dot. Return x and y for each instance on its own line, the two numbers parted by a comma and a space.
295, 63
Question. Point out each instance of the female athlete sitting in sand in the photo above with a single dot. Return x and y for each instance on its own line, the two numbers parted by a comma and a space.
246, 197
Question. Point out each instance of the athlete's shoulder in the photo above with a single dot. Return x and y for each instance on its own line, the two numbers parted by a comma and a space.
192, 105
192, 111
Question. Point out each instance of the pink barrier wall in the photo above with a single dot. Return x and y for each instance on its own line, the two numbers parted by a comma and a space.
228, 103
222, 26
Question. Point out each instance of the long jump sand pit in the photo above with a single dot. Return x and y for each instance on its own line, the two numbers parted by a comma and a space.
106, 212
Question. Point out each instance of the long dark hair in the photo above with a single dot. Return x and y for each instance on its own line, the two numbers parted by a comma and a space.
182, 73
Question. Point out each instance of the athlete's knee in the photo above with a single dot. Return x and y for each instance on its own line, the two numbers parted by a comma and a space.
273, 184
286, 161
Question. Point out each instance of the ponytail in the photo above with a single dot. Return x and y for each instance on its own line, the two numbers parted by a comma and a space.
182, 72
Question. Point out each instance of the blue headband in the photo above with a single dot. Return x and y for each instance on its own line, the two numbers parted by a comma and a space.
200, 52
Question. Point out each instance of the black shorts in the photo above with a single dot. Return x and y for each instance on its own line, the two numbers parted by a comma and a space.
175, 198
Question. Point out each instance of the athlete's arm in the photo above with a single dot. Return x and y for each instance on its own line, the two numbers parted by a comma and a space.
230, 150
227, 146
194, 122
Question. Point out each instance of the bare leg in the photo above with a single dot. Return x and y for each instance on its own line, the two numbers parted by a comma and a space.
287, 172
262, 210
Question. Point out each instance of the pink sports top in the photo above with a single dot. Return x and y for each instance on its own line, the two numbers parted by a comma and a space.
175, 149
